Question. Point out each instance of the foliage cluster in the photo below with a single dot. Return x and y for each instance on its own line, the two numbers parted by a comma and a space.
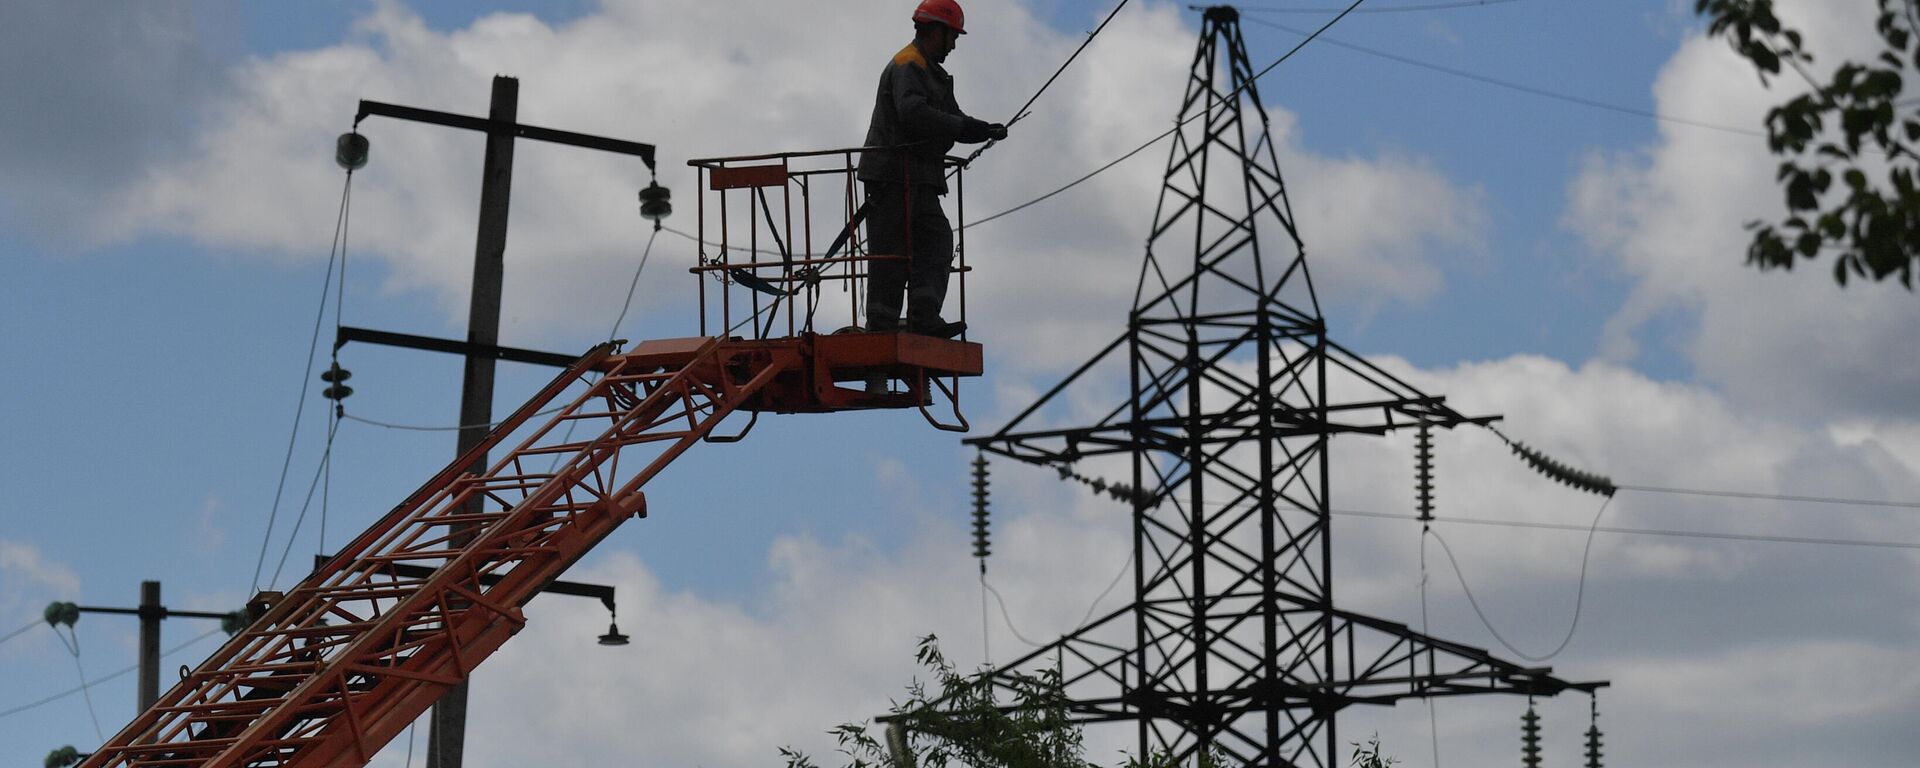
1872, 218
999, 720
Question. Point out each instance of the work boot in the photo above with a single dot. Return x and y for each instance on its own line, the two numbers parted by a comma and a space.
939, 329
876, 385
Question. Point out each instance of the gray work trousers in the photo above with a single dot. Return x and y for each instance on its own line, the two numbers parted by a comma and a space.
901, 213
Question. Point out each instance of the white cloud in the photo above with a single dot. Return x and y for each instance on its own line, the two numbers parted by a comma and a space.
96, 93
28, 581
258, 178
208, 535
1674, 215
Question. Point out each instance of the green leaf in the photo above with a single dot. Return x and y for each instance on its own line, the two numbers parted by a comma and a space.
1808, 244
1843, 79
1800, 196
1832, 226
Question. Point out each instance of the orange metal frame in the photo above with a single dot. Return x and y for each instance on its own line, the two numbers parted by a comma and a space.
768, 273
335, 668
797, 205
338, 666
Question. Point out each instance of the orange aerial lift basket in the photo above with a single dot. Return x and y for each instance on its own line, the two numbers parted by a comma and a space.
783, 264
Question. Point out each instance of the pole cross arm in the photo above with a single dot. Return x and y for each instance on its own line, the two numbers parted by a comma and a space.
520, 130
602, 592
349, 333
163, 612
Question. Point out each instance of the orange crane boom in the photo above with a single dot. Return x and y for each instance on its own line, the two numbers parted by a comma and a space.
342, 663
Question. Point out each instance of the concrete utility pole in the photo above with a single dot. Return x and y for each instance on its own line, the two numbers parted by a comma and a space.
446, 734
447, 724
151, 612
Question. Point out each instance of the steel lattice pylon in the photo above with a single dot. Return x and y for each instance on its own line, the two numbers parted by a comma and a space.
1236, 647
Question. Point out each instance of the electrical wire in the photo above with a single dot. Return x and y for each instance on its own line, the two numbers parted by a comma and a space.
1004, 615
613, 333
1579, 595
1245, 9
326, 460
1021, 113
421, 428
1075, 182
624, 306
1663, 531
300, 406
326, 487
1130, 153
339, 406
21, 631
74, 649
1177, 125
96, 681
986, 636
1644, 531
1091, 607
742, 249
1542, 92
1771, 496
1433, 720
1583, 480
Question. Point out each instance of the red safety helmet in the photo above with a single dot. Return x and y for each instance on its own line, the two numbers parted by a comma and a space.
941, 12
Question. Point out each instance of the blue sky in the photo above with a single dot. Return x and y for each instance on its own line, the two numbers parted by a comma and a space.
168, 200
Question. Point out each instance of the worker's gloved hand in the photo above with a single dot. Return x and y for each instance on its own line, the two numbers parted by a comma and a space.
975, 130
997, 132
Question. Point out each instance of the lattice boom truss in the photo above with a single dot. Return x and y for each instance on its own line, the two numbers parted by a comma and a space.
349, 657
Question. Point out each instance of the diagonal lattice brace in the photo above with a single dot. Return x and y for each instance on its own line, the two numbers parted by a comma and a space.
345, 660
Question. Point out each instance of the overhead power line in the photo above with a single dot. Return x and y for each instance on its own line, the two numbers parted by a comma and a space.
336, 253
1772, 496
1510, 85
1663, 531
1641, 531
21, 631
101, 679
1021, 113
430, 428
1377, 8
1176, 126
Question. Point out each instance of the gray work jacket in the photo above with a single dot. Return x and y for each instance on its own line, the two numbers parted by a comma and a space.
913, 107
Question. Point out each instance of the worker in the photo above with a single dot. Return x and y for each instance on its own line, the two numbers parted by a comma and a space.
915, 121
